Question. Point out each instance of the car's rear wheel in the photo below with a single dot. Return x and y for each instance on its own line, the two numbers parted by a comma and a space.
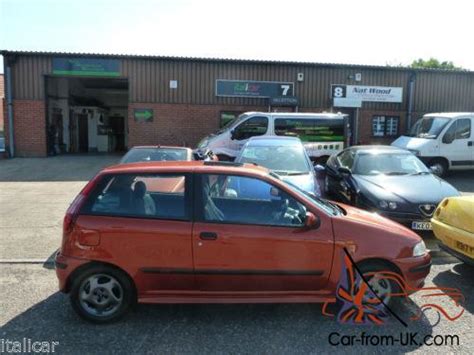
102, 294
438, 166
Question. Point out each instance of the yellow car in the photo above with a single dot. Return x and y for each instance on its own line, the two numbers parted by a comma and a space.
453, 225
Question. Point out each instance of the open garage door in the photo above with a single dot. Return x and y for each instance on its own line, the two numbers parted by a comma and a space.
86, 115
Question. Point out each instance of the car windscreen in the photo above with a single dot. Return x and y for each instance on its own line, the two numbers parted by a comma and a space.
429, 127
281, 159
388, 164
232, 123
154, 154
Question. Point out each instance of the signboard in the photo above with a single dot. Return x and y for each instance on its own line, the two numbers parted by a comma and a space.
284, 101
345, 102
86, 67
247, 88
367, 93
143, 114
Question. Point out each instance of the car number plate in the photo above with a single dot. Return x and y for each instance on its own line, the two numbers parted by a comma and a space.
423, 226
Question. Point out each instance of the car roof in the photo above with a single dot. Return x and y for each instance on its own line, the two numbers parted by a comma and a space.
449, 114
299, 114
273, 141
361, 149
211, 167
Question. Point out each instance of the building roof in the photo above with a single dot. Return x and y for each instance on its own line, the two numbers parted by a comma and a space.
227, 60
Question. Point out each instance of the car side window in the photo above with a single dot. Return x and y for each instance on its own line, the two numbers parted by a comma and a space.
160, 196
346, 159
254, 126
245, 200
463, 129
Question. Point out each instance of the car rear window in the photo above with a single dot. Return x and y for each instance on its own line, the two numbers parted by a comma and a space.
160, 196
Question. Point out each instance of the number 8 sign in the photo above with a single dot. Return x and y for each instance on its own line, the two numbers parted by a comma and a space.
338, 91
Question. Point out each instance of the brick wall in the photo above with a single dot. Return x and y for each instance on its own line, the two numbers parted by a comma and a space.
177, 124
30, 128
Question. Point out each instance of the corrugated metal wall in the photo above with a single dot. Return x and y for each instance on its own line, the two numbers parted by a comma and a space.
149, 82
28, 76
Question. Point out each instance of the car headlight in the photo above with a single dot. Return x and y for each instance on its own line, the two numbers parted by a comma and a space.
420, 249
388, 204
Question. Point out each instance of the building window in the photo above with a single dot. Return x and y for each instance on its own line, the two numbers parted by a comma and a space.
385, 126
227, 116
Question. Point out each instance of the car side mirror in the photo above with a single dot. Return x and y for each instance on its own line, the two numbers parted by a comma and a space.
233, 134
448, 138
311, 221
344, 171
319, 168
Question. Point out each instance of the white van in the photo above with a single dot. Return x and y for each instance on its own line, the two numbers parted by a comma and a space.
321, 133
442, 140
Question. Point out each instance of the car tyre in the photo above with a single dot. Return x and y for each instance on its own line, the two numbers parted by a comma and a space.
383, 288
439, 167
102, 294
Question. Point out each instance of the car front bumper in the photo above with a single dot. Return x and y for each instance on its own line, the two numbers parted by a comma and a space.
414, 269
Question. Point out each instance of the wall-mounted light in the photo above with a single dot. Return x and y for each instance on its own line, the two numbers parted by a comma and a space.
300, 76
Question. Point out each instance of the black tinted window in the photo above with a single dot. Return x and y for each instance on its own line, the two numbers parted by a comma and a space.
311, 129
244, 200
255, 126
159, 196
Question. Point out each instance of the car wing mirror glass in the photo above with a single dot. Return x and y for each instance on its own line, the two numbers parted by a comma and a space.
311, 221
319, 168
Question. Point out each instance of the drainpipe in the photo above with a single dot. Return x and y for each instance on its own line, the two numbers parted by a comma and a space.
411, 92
8, 81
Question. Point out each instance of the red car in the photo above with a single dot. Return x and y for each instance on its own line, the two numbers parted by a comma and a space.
185, 232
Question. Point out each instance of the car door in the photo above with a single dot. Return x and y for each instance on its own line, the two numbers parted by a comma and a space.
457, 143
144, 224
252, 127
254, 242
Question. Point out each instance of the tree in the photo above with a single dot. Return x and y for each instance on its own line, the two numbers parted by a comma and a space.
433, 63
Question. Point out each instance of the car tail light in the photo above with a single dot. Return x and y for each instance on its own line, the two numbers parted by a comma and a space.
73, 211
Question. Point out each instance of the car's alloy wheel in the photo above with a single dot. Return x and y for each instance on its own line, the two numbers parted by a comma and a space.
381, 287
100, 295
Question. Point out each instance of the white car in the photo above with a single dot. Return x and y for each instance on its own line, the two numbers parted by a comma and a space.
443, 141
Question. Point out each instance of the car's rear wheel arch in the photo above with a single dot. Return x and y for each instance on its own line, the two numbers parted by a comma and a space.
76, 273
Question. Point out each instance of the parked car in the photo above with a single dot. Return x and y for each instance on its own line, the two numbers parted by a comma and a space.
444, 141
387, 180
165, 153
124, 242
321, 133
285, 156
453, 225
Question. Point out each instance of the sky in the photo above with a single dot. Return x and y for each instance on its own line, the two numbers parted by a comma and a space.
332, 31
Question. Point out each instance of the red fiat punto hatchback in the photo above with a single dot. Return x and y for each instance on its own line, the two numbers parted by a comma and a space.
217, 232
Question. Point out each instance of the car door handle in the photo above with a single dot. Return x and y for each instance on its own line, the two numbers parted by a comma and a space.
469, 144
208, 236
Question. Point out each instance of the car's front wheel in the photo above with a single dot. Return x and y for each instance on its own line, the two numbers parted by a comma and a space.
102, 294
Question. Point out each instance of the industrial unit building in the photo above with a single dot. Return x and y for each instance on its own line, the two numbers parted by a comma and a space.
79, 103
